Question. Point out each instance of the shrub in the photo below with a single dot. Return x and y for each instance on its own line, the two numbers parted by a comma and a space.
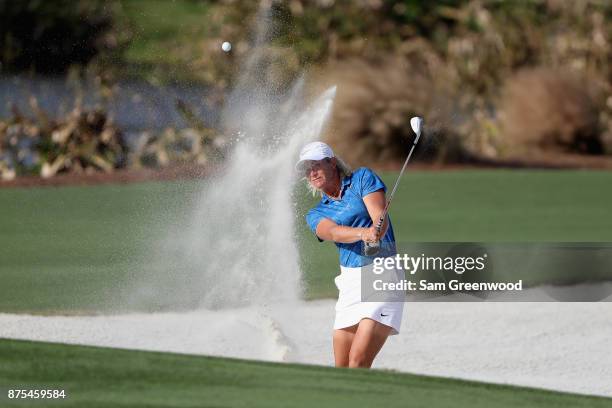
85, 141
50, 36
375, 101
549, 108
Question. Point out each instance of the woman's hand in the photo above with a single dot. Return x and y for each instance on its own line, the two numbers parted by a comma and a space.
375, 203
369, 234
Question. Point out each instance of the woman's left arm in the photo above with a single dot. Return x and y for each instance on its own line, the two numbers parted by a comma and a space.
375, 203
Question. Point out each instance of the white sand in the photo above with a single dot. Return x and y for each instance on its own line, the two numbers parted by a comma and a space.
560, 346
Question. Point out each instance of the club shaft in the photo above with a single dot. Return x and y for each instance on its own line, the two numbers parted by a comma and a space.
386, 209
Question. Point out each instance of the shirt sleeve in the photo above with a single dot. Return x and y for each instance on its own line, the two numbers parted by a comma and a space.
312, 219
370, 182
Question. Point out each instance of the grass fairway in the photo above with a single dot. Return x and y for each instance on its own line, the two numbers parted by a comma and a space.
96, 377
71, 248
166, 35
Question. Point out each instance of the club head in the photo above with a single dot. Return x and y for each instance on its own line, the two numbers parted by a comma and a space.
416, 123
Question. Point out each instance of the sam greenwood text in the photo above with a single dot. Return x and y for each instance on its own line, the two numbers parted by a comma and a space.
455, 285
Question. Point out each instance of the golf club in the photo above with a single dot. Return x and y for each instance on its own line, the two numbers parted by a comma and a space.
372, 248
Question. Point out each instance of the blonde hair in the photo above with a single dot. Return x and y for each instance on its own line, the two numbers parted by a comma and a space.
344, 170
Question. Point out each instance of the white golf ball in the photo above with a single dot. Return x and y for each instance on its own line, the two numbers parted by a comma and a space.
226, 46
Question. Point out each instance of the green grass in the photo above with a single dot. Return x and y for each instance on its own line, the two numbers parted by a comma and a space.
96, 377
166, 37
75, 248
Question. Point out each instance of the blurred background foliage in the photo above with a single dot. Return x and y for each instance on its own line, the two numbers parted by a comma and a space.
494, 79
49, 37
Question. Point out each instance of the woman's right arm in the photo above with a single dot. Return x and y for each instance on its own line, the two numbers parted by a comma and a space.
330, 231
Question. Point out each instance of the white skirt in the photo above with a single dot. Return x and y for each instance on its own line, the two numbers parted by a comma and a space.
350, 309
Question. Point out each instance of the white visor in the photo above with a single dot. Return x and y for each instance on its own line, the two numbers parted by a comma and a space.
314, 151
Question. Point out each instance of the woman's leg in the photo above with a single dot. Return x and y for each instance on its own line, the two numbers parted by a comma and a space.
367, 342
343, 338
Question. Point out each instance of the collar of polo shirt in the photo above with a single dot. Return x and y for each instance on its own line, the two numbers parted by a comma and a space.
346, 181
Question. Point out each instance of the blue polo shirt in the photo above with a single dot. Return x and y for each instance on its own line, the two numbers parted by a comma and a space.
350, 210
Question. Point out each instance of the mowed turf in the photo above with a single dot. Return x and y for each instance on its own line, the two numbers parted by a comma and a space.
74, 248
96, 377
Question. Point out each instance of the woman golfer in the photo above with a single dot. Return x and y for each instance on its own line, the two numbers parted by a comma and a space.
350, 202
